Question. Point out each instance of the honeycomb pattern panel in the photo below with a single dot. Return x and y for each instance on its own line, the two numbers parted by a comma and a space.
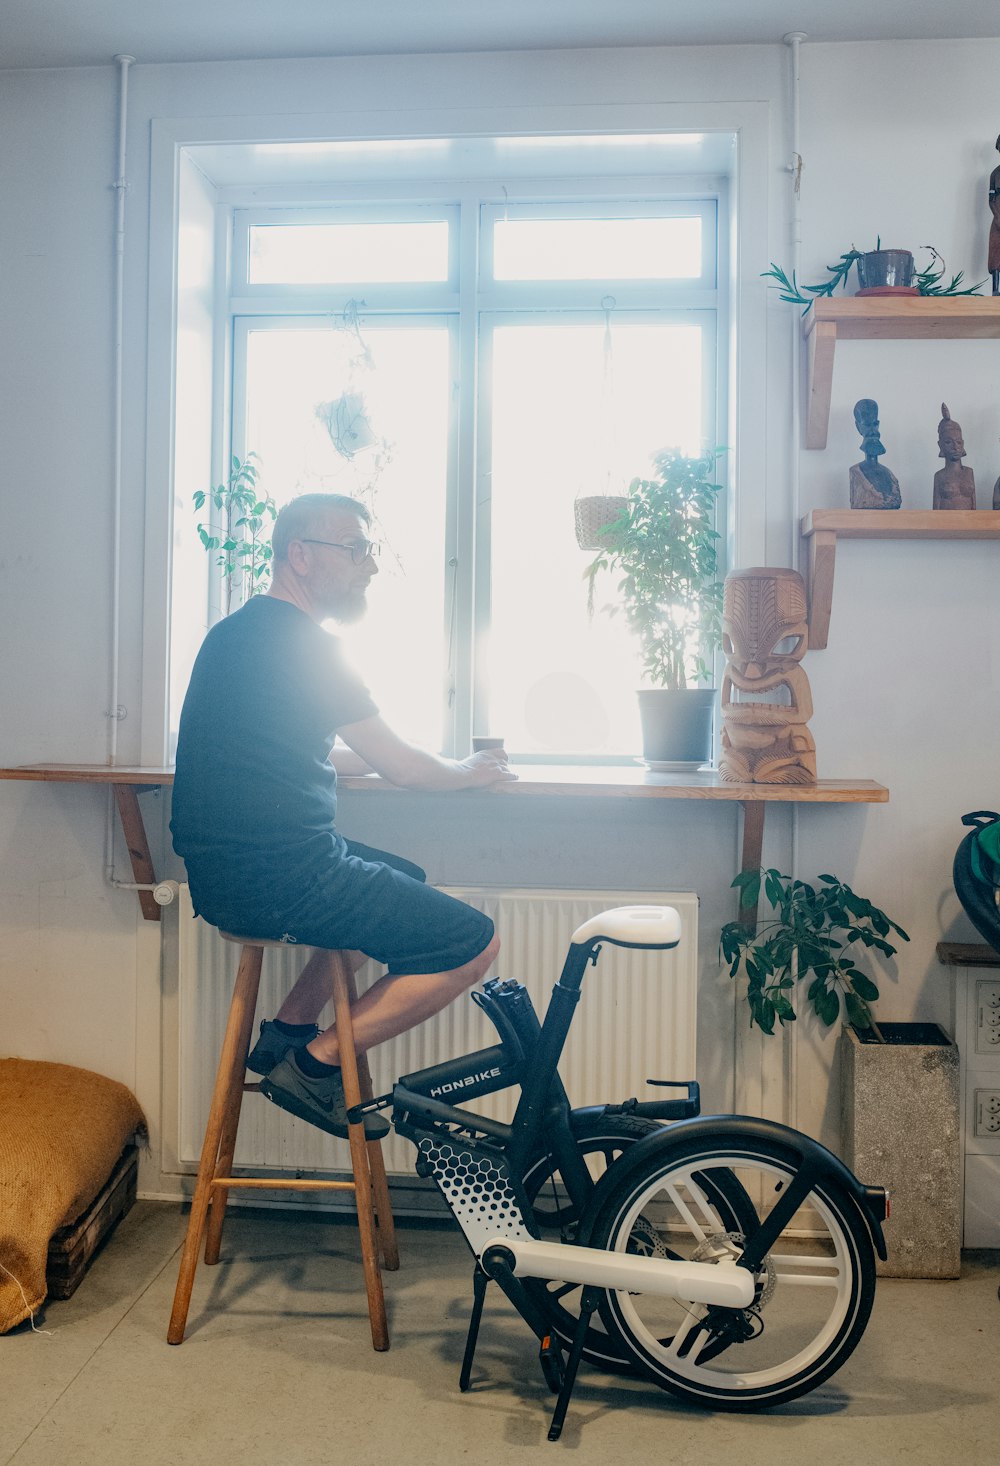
476, 1186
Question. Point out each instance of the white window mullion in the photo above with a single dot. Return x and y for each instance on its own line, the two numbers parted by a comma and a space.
465, 521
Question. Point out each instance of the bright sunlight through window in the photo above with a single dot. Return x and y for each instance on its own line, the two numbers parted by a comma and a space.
469, 411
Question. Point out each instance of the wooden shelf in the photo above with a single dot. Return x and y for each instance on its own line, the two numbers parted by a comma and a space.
823, 527
883, 318
538, 780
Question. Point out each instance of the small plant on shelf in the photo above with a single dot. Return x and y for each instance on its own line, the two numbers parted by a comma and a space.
243, 541
929, 281
815, 934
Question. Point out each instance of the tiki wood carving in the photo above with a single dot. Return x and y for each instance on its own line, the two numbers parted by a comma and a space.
766, 701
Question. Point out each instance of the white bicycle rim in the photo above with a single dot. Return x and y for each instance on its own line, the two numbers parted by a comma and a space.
814, 1266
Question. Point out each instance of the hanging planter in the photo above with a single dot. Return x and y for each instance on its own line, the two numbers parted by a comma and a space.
346, 420
595, 516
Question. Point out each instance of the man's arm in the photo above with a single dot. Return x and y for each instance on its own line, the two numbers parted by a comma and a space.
348, 763
410, 767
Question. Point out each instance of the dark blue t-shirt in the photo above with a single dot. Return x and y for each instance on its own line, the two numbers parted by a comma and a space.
254, 797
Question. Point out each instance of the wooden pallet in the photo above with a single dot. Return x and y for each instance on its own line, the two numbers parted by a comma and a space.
73, 1247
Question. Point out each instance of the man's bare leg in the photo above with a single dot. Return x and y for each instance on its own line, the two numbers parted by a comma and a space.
394, 1004
311, 992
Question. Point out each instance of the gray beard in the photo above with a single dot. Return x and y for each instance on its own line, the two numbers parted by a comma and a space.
349, 610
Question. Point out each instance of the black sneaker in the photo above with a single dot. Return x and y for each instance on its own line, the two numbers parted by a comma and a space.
320, 1101
273, 1045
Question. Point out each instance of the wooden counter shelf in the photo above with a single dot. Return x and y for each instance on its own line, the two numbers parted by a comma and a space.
823, 527
534, 780
883, 318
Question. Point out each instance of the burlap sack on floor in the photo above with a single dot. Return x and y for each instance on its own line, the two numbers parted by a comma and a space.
61, 1131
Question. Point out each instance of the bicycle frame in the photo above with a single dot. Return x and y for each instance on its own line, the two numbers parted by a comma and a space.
527, 1057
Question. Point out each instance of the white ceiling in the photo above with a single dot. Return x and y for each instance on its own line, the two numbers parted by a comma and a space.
90, 32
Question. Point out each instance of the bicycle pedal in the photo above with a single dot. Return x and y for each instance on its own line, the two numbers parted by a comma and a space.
550, 1358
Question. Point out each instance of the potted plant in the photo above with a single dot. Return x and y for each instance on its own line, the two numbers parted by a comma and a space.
880, 272
243, 543
663, 549
899, 1081
816, 932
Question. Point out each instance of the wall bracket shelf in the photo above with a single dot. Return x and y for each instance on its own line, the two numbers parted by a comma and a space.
823, 527
883, 318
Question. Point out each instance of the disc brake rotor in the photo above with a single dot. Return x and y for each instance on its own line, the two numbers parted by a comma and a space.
730, 1244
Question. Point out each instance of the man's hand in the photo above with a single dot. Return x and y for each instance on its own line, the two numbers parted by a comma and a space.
488, 767
411, 767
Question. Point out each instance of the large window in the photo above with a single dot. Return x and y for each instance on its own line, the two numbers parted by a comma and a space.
468, 365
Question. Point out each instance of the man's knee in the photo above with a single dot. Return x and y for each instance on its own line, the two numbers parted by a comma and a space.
474, 970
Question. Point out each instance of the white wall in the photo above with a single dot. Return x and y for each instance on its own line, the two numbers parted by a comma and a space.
897, 141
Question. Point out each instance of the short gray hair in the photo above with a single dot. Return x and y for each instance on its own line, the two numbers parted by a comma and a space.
299, 516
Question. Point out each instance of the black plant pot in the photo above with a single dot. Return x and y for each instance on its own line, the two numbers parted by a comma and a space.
677, 725
886, 272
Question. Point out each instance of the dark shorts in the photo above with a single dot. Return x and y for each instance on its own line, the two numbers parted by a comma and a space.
373, 902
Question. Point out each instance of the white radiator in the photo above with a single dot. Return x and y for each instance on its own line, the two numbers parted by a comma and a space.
636, 1020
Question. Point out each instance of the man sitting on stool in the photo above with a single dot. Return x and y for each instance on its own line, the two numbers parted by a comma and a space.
255, 802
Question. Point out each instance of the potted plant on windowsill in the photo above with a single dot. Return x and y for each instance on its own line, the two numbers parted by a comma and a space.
899, 1081
663, 550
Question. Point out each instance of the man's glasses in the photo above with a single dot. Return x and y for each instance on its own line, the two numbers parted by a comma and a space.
359, 550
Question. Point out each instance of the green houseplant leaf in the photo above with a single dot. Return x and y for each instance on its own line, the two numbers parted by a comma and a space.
244, 538
812, 933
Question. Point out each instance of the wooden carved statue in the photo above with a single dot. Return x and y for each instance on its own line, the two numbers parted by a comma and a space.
766, 701
954, 485
872, 484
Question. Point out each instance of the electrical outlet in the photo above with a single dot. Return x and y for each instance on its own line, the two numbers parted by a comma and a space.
988, 1111
987, 1016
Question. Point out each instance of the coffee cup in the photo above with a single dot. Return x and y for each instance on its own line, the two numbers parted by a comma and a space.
479, 744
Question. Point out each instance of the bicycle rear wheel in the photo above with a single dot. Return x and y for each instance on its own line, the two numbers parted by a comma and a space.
600, 1141
814, 1290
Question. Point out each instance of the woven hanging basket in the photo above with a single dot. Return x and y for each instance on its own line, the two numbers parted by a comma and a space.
594, 514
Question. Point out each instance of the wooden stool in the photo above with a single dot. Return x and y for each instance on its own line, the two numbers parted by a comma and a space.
215, 1178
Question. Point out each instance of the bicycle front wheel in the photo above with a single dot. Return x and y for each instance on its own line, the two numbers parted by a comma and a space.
814, 1290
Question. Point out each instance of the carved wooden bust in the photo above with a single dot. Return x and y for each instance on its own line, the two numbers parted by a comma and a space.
954, 485
873, 486
766, 700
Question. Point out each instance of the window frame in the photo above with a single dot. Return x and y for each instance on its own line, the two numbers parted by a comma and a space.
477, 304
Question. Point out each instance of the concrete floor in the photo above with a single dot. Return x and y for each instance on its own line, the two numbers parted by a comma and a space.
277, 1368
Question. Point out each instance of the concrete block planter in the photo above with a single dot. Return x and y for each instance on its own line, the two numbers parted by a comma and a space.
902, 1131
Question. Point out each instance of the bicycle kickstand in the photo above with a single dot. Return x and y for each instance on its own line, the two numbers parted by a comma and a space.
480, 1282
589, 1301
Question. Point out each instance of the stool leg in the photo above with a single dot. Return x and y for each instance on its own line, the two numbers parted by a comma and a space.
340, 974
230, 1125
229, 1078
376, 1161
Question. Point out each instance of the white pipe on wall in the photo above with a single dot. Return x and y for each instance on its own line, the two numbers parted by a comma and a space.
794, 41
115, 712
